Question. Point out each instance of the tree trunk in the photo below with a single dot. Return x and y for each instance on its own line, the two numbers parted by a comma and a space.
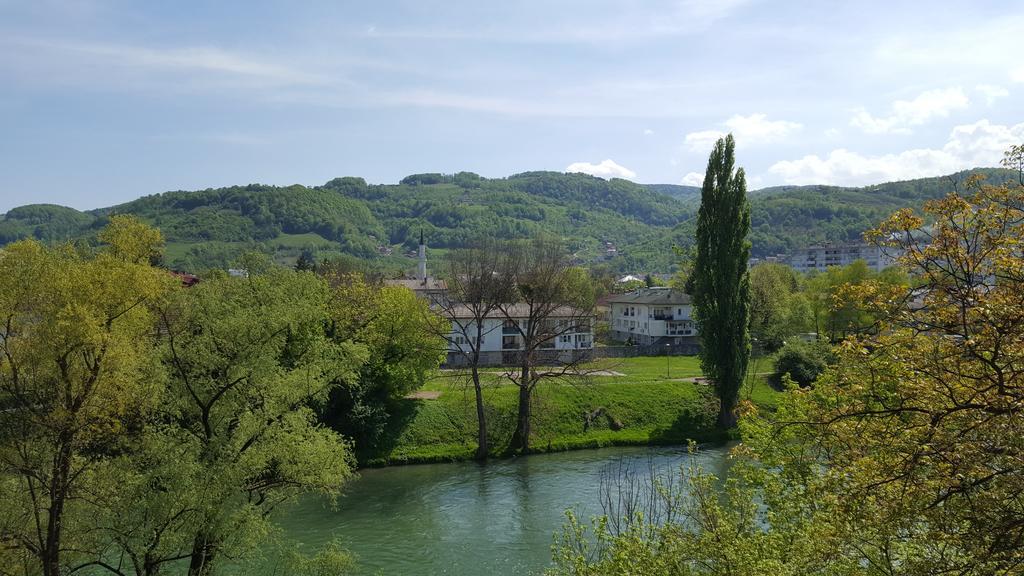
727, 414
50, 554
201, 563
481, 418
521, 438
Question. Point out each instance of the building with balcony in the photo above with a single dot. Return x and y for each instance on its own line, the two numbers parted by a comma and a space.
821, 257
566, 336
653, 316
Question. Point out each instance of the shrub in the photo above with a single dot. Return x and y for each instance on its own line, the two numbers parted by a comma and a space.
803, 362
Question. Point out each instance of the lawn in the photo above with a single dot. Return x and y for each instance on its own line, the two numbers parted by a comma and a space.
637, 398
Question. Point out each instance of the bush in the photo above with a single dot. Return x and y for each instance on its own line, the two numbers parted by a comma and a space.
803, 362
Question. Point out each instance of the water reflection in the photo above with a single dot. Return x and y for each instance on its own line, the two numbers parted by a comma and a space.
469, 518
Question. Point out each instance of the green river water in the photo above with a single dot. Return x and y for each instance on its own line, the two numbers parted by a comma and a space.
472, 519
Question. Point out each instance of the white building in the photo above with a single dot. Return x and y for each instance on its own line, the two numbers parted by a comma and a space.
653, 316
821, 257
567, 335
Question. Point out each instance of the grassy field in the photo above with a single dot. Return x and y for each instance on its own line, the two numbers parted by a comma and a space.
649, 400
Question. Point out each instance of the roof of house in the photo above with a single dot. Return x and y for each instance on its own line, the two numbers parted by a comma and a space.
664, 296
415, 284
187, 280
517, 311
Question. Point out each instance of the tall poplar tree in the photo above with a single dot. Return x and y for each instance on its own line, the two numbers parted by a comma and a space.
720, 283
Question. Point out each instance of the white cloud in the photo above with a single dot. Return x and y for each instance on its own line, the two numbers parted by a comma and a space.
600, 22
992, 92
968, 146
756, 128
1017, 74
906, 113
748, 130
605, 169
648, 132
703, 141
204, 58
693, 179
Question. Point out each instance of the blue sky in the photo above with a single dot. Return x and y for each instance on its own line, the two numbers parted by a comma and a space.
104, 101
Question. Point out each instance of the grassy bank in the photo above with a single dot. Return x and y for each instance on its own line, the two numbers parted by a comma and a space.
644, 401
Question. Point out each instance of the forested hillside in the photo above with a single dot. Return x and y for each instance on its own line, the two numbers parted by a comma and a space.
380, 223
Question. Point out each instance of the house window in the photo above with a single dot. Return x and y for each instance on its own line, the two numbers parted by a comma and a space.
509, 327
565, 338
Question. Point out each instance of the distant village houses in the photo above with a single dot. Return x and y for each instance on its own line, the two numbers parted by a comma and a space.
569, 336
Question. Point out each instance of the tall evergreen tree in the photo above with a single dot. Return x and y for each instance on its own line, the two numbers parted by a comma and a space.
720, 283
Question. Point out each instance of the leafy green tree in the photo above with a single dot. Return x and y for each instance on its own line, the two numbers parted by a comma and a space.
905, 459
305, 263
802, 362
76, 379
835, 314
246, 359
399, 332
1014, 160
720, 284
778, 309
129, 239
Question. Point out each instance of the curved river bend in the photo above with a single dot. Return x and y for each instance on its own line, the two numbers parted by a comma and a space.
467, 518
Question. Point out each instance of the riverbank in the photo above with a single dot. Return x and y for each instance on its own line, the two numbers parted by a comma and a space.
631, 402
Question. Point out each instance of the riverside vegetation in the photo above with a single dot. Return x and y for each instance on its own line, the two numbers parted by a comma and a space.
906, 457
150, 428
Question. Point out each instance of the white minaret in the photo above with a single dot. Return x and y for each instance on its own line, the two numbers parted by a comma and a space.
423, 261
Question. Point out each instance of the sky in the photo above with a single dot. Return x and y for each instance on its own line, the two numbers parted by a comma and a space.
103, 101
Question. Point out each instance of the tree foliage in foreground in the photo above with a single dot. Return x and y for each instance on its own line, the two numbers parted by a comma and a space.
246, 357
147, 428
906, 458
77, 380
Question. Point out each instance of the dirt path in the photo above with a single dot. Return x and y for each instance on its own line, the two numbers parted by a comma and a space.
424, 395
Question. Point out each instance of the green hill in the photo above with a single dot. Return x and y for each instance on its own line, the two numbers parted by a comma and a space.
380, 223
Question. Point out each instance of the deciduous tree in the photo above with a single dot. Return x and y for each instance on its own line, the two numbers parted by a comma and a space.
398, 330
549, 302
77, 378
476, 290
907, 456
247, 359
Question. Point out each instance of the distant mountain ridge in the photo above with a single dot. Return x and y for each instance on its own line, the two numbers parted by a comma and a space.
626, 226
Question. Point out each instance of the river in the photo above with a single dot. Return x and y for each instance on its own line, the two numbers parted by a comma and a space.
468, 518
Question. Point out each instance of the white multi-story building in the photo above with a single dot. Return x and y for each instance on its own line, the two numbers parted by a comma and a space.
566, 335
653, 316
821, 257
